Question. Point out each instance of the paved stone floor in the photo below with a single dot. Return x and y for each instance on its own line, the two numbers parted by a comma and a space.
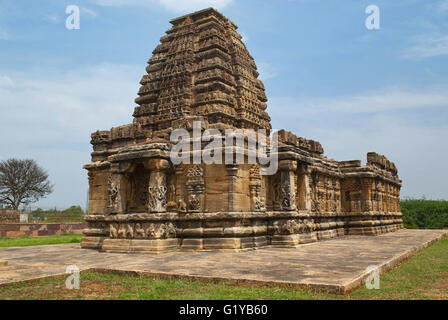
336, 265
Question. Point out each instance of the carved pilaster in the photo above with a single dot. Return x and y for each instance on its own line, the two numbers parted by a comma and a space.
257, 201
157, 189
366, 201
232, 172
304, 181
116, 194
287, 186
181, 206
314, 188
91, 191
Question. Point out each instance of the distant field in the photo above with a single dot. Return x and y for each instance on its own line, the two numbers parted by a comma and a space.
425, 214
423, 276
42, 240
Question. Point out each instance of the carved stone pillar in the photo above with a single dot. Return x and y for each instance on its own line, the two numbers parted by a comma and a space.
116, 191
397, 200
356, 197
314, 188
91, 193
181, 206
157, 189
304, 181
257, 201
366, 201
381, 197
355, 203
232, 172
287, 186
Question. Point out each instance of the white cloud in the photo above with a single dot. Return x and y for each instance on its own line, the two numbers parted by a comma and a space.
49, 117
244, 36
442, 6
4, 35
427, 46
266, 71
6, 81
52, 18
171, 5
75, 102
387, 100
91, 13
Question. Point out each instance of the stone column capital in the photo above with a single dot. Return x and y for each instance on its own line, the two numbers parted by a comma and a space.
304, 168
287, 165
158, 164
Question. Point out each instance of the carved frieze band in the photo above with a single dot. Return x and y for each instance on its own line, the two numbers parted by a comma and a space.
286, 227
142, 230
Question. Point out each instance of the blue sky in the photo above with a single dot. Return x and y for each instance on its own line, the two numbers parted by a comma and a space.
327, 78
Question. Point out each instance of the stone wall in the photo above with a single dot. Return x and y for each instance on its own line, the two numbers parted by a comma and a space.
12, 230
9, 216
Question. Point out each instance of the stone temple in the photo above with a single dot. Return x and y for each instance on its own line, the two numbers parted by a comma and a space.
141, 201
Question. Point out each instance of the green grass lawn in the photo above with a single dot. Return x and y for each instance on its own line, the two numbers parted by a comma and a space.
424, 276
36, 241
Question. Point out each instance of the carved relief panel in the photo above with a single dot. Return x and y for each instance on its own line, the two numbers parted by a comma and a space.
257, 199
195, 188
116, 193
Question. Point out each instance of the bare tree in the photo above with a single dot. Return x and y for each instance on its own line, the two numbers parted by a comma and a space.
22, 182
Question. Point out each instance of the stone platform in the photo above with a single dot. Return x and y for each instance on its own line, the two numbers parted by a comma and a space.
336, 266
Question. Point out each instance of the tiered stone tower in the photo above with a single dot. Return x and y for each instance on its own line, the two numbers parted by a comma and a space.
201, 68
140, 201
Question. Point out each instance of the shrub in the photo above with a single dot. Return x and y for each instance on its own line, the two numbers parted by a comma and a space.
425, 214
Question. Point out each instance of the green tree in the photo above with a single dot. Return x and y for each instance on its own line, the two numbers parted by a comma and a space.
422, 213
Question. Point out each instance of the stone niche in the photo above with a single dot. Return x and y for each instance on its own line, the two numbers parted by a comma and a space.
140, 201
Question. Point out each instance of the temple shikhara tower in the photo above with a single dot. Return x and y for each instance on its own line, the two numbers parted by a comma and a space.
140, 200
